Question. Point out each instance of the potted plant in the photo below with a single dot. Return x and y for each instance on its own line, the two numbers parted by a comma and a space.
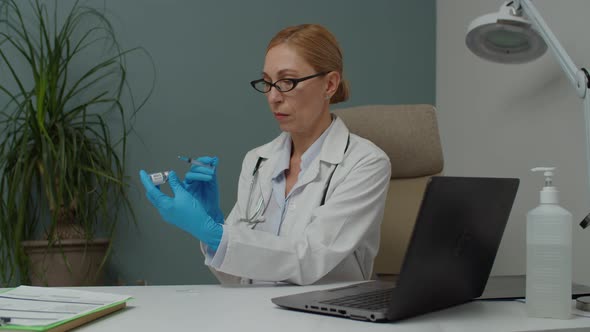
64, 126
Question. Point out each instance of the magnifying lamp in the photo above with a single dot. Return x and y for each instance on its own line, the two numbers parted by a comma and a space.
517, 34
505, 37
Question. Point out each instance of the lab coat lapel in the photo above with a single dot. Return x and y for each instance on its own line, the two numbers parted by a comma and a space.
269, 153
310, 174
335, 144
331, 154
332, 151
265, 179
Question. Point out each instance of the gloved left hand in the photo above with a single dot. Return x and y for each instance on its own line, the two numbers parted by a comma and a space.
201, 182
183, 210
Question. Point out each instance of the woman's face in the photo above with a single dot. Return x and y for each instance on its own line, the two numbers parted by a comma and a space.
303, 110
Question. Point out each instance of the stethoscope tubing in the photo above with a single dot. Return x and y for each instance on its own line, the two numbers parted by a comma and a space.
257, 217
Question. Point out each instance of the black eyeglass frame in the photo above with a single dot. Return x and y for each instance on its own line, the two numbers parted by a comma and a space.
293, 81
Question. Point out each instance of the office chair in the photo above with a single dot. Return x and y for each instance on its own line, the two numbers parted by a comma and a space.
409, 136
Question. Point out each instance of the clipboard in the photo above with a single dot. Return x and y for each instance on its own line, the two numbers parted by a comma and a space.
67, 325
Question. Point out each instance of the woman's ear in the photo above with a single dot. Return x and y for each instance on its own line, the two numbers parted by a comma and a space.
333, 82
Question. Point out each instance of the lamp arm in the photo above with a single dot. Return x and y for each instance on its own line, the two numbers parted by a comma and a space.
586, 221
578, 77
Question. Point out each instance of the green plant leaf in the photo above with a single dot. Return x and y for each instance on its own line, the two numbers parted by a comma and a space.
59, 154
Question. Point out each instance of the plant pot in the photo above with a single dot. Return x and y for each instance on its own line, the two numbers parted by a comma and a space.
49, 266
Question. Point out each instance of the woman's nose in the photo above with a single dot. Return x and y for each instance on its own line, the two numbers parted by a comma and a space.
274, 96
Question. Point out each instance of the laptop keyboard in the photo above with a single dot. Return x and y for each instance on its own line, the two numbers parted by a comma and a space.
373, 300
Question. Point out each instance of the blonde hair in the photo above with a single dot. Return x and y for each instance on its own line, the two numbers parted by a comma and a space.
319, 48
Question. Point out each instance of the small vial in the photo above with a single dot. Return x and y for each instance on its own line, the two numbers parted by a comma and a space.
159, 178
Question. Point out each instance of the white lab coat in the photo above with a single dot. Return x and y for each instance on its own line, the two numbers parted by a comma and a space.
334, 242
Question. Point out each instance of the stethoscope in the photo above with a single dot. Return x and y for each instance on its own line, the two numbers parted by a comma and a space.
257, 217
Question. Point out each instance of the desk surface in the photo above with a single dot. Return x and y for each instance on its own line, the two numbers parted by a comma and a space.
217, 308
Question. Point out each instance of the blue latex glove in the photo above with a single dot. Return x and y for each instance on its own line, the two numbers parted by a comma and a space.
201, 182
183, 210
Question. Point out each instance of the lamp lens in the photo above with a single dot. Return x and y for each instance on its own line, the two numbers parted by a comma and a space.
507, 39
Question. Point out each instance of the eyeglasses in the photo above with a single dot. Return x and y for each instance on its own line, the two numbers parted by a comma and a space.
283, 85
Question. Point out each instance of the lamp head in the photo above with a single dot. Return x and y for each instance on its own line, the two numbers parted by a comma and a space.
505, 37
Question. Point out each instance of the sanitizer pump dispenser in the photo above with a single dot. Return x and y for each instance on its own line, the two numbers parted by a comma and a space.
549, 255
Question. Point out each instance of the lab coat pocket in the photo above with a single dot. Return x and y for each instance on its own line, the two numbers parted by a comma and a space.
299, 212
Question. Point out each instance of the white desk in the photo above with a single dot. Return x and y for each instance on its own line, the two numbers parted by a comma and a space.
216, 308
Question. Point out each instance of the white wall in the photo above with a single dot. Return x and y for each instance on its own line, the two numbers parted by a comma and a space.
502, 120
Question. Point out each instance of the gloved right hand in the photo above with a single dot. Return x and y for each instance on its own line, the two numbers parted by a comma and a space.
183, 210
201, 183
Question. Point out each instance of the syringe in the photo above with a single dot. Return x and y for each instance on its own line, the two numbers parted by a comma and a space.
162, 177
194, 162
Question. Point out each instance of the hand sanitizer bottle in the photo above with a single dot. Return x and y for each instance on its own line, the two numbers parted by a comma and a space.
549, 255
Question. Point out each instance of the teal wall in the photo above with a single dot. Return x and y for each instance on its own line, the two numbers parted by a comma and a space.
205, 53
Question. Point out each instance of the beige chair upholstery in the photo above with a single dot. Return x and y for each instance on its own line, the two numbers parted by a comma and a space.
409, 136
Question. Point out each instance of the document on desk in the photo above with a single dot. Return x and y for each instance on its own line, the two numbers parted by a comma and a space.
41, 306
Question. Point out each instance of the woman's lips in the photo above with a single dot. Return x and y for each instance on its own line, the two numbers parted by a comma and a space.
280, 116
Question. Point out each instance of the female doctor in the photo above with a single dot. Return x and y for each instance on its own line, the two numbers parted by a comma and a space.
310, 202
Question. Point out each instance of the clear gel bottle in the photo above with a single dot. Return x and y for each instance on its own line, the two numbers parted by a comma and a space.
549, 255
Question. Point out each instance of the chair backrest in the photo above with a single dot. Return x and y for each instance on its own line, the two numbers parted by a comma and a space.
409, 136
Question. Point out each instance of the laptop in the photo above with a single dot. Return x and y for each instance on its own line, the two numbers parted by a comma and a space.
448, 261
